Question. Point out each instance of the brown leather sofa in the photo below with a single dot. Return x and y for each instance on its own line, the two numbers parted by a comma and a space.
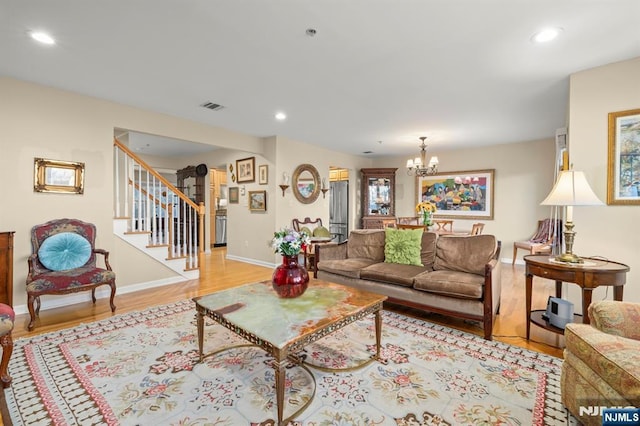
459, 276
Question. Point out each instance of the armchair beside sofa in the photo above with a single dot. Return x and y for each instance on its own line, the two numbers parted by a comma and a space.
459, 276
601, 366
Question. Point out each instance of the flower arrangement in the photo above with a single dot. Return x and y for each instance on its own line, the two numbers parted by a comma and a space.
289, 242
426, 209
426, 206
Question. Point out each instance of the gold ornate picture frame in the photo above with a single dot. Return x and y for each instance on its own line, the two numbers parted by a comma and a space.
58, 176
623, 165
258, 201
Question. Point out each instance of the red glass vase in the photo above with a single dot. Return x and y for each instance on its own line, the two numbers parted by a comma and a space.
290, 279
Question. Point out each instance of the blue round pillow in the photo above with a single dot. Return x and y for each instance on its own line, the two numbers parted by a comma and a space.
63, 251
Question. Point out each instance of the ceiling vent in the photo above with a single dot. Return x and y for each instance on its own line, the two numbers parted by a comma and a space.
212, 106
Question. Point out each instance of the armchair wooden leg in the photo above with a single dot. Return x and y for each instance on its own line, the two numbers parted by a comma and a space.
515, 253
7, 349
33, 312
93, 295
113, 295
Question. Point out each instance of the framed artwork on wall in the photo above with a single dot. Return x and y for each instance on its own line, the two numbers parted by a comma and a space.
458, 195
245, 170
263, 174
623, 166
258, 201
233, 195
58, 176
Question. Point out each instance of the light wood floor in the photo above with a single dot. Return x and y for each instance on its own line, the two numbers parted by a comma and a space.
219, 273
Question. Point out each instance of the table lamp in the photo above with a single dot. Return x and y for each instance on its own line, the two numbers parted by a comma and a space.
571, 189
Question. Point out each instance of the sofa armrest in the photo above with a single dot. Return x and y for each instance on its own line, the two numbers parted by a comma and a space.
616, 318
492, 291
329, 251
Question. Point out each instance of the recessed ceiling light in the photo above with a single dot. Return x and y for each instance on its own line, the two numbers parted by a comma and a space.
546, 35
281, 116
43, 38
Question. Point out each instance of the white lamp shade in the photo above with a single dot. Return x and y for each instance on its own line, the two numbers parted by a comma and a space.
417, 162
571, 189
433, 161
409, 164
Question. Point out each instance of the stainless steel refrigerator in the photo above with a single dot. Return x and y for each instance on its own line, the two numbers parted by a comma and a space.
339, 210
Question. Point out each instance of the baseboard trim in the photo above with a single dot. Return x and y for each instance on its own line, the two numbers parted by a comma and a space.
103, 292
251, 261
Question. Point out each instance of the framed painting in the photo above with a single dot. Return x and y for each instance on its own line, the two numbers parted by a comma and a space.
58, 176
245, 170
458, 195
258, 201
623, 166
233, 195
263, 174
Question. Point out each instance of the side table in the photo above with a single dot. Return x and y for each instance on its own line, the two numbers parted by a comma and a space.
589, 275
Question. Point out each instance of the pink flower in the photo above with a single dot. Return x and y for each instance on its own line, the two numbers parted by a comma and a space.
402, 380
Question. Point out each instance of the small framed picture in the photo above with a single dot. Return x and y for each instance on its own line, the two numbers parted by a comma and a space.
233, 195
246, 170
263, 174
258, 201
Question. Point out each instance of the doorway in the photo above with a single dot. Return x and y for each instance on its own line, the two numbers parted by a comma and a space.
339, 203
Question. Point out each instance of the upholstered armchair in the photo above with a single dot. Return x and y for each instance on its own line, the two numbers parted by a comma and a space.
601, 366
7, 321
64, 261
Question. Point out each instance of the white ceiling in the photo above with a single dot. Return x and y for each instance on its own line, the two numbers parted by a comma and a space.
377, 75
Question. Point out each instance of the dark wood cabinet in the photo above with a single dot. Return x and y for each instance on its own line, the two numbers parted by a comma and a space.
6, 268
378, 197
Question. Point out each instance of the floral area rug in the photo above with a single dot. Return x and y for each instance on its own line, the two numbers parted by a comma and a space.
142, 369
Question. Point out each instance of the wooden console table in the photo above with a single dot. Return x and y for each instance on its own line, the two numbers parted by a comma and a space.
593, 273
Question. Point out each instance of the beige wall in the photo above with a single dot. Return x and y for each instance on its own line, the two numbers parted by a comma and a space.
607, 231
38, 121
523, 178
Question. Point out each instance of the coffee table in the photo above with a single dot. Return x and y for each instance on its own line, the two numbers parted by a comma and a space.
283, 327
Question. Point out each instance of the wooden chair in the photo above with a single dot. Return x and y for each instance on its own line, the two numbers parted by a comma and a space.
7, 321
63, 261
315, 229
408, 220
443, 224
477, 228
407, 226
548, 234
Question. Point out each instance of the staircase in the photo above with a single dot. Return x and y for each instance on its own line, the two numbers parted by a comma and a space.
156, 217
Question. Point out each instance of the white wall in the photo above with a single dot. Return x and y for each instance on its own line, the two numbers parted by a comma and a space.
523, 177
608, 231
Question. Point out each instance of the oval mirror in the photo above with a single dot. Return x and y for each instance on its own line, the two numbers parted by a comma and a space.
306, 183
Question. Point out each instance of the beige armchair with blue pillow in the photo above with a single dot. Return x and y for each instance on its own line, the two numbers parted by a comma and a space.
64, 261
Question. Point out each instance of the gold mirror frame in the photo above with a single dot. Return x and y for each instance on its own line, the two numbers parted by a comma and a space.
315, 191
58, 176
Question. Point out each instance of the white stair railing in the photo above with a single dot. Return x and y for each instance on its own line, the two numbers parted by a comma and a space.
152, 205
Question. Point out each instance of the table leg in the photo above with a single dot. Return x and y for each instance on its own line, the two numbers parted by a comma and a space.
586, 301
378, 321
528, 288
200, 327
559, 289
280, 380
617, 293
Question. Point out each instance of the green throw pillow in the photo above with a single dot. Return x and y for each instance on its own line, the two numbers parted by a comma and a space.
403, 246
321, 232
306, 230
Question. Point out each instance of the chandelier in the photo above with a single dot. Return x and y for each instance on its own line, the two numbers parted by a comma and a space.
418, 166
